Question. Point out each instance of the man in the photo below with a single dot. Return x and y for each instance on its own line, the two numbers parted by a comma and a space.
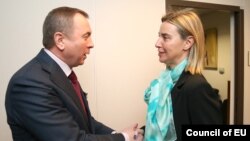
42, 103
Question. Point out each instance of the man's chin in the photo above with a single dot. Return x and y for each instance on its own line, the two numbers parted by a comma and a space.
81, 63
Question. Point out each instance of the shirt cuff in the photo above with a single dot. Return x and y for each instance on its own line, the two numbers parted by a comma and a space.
125, 135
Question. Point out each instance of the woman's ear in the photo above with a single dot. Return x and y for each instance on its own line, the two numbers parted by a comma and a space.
58, 38
189, 42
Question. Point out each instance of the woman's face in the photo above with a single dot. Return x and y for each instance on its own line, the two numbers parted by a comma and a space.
172, 49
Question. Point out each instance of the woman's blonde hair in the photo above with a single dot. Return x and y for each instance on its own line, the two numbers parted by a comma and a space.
189, 24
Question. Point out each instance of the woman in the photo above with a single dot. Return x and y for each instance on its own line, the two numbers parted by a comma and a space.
181, 95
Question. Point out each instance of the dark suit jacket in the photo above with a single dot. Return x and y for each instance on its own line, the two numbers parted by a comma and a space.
194, 102
41, 105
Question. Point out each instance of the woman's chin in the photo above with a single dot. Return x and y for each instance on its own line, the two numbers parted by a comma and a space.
162, 60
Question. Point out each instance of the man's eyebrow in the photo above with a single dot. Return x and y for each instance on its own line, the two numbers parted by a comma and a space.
86, 34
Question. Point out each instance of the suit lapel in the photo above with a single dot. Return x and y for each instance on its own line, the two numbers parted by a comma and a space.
61, 80
66, 85
85, 101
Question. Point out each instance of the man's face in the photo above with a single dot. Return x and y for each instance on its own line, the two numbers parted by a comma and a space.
78, 43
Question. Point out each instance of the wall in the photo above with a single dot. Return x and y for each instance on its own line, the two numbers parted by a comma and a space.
118, 69
126, 59
224, 50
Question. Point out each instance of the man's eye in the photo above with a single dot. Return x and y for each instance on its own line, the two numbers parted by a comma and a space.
86, 36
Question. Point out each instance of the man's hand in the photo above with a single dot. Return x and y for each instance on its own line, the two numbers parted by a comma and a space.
133, 133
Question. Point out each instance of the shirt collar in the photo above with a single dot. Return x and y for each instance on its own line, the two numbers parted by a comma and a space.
66, 69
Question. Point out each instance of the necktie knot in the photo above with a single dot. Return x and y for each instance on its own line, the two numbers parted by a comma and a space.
73, 77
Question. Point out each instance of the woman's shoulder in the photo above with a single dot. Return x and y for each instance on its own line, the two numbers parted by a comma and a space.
194, 77
194, 80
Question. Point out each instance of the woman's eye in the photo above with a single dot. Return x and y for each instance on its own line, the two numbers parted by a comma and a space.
165, 37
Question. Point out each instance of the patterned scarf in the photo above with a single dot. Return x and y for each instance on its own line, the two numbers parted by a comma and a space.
160, 122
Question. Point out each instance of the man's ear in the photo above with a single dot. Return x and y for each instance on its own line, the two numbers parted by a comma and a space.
189, 41
58, 38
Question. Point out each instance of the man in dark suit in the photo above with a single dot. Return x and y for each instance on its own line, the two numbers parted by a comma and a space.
41, 102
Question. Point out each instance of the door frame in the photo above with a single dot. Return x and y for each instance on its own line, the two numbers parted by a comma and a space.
238, 50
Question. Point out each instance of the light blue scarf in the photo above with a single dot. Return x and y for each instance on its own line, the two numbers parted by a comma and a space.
160, 122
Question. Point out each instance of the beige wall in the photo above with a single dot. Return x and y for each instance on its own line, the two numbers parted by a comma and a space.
125, 59
119, 68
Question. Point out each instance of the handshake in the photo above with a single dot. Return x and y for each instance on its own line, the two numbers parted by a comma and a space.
133, 133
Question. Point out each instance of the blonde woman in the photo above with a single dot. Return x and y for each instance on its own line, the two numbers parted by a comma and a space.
180, 95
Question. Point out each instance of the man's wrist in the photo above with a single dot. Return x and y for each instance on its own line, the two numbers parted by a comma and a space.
125, 135
114, 132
